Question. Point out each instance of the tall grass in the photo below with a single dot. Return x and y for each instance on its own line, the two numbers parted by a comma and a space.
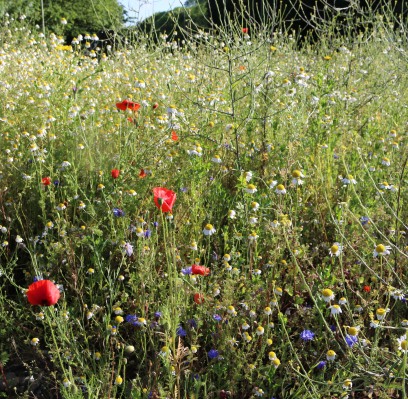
296, 157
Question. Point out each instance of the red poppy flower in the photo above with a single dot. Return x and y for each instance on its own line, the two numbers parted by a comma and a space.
142, 174
164, 198
127, 104
244, 30
198, 298
174, 136
115, 173
202, 270
43, 293
366, 288
46, 181
155, 105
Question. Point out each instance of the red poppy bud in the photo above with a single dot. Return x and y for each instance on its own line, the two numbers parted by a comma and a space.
198, 298
115, 173
127, 104
164, 198
201, 270
244, 30
366, 288
43, 293
155, 105
142, 173
46, 181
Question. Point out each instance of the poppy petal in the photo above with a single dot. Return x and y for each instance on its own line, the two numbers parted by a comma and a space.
164, 198
43, 293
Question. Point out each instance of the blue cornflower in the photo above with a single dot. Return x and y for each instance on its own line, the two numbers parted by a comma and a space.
156, 224
333, 328
56, 183
192, 323
213, 354
147, 233
187, 270
321, 365
118, 212
131, 318
351, 340
183, 189
217, 317
157, 315
181, 332
364, 220
307, 335
37, 278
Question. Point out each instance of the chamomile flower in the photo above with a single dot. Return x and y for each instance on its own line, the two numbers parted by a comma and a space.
254, 206
232, 214
342, 301
260, 330
246, 337
381, 250
231, 310
35, 341
403, 343
253, 237
330, 355
251, 189
296, 177
280, 189
118, 380
327, 295
336, 249
380, 313
268, 311
272, 355
386, 161
245, 326
347, 384
275, 224
335, 310
209, 230
164, 351
216, 159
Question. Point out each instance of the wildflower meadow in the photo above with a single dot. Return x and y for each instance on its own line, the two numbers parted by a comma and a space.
215, 213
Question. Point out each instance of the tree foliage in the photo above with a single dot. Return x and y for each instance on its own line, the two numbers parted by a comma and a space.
81, 16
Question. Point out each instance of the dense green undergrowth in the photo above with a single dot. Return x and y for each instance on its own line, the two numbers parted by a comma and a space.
295, 157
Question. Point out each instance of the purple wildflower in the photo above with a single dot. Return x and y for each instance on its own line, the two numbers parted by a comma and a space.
187, 270
213, 354
307, 335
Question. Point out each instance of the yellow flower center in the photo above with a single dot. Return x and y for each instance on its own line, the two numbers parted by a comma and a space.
404, 345
208, 226
334, 248
331, 353
251, 187
380, 248
327, 292
280, 187
381, 311
352, 331
296, 173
